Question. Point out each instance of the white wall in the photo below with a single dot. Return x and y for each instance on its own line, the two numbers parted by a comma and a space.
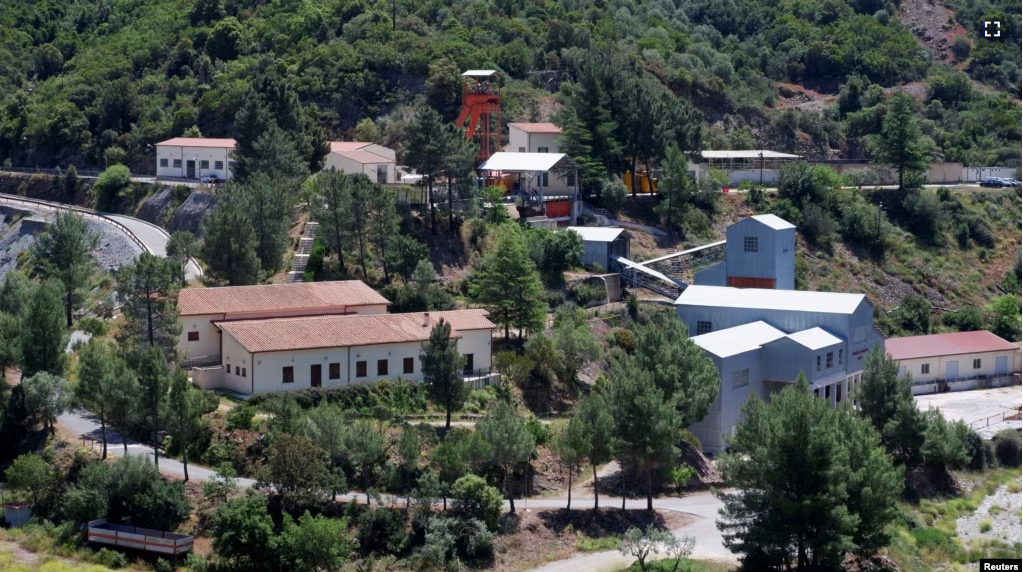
266, 369
199, 154
938, 367
346, 165
976, 174
520, 141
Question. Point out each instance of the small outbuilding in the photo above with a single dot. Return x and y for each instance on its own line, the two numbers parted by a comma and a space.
955, 361
194, 157
604, 244
375, 161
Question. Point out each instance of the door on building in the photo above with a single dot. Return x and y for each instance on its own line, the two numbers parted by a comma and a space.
315, 372
190, 169
902, 370
1002, 365
951, 371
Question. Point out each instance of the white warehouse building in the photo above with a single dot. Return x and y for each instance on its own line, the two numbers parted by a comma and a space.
956, 361
193, 158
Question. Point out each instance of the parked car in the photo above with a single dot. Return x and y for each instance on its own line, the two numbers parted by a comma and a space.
1012, 182
209, 180
994, 182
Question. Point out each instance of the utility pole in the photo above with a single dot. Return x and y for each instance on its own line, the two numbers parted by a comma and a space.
880, 206
394, 15
761, 168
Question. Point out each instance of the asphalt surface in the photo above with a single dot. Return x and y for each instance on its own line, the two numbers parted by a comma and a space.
155, 238
703, 506
981, 408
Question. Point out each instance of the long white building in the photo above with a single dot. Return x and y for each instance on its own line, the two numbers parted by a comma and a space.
193, 158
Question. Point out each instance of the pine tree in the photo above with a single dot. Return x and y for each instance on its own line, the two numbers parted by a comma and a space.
425, 151
385, 224
594, 414
181, 247
229, 247
575, 141
508, 285
811, 482
362, 190
571, 445
267, 206
899, 143
95, 373
441, 365
332, 209
122, 398
676, 188
648, 426
886, 400
511, 443
148, 291
154, 379
44, 338
184, 415
46, 396
64, 252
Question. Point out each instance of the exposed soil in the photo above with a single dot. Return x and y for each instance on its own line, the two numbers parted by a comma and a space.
933, 25
800, 97
551, 535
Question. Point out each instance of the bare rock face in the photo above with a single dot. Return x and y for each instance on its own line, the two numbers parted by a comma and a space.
156, 207
192, 212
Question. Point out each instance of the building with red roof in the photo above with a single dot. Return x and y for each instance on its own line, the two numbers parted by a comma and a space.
955, 361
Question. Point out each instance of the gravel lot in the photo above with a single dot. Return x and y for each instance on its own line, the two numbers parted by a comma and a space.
1004, 525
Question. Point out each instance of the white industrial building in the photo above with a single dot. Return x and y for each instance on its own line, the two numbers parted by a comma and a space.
533, 138
759, 165
193, 158
279, 337
955, 361
375, 161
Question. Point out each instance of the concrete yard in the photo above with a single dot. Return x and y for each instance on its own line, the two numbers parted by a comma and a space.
977, 406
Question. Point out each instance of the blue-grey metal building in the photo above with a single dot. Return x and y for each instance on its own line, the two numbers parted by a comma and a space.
603, 244
759, 253
760, 340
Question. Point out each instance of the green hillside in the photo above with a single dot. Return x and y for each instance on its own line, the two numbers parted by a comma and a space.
79, 77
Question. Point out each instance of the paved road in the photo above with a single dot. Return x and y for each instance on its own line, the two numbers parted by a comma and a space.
703, 506
155, 238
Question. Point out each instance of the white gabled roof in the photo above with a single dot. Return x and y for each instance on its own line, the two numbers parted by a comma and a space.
762, 299
751, 154
814, 338
521, 162
773, 221
597, 233
738, 340
478, 73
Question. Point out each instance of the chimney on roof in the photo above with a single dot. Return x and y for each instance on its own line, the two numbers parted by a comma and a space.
426, 319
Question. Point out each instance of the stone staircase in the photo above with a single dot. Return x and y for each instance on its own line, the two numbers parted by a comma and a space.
305, 246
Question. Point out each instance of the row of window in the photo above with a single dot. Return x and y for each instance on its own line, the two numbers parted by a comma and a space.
408, 366
217, 165
237, 370
926, 367
829, 359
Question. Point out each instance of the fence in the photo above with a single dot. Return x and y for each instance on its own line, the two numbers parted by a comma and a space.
482, 377
43, 171
139, 538
998, 418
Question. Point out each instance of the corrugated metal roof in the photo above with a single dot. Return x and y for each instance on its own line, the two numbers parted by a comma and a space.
773, 221
338, 331
276, 297
752, 154
197, 142
519, 162
597, 233
814, 338
791, 300
477, 73
536, 127
912, 347
738, 340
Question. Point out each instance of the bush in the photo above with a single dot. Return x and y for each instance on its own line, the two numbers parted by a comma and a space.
624, 338
1007, 448
961, 47
968, 319
474, 499
358, 396
541, 433
93, 326
982, 452
553, 298
110, 558
613, 195
381, 530
240, 417
111, 185
818, 227
587, 294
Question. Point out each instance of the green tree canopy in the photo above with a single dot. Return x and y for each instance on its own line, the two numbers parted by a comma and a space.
148, 291
63, 252
44, 338
507, 284
899, 144
229, 247
510, 442
441, 365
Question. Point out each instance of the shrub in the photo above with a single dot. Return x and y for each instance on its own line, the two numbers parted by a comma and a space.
613, 195
541, 433
818, 227
473, 498
981, 452
961, 47
624, 338
553, 298
93, 326
586, 294
110, 558
985, 526
692, 440
381, 530
240, 417
1007, 448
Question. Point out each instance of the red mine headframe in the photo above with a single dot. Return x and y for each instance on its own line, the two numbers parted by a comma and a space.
481, 105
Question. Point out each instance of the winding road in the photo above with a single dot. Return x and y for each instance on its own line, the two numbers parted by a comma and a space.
703, 506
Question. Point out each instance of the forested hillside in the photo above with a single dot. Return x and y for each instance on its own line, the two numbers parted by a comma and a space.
82, 81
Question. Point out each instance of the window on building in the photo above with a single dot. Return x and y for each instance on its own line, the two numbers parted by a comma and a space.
245, 372
841, 355
541, 149
227, 369
193, 336
408, 365
468, 363
925, 368
570, 178
544, 182
382, 174
522, 149
818, 363
360, 369
827, 392
204, 164
381, 367
177, 163
288, 375
740, 378
860, 333
218, 165
830, 360
334, 371
976, 364
163, 162
703, 328
838, 393
751, 244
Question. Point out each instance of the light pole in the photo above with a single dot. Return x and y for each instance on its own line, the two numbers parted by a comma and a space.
880, 206
761, 168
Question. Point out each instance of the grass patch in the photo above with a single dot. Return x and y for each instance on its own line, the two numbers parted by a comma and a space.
685, 566
995, 510
1014, 488
585, 543
985, 526
9, 564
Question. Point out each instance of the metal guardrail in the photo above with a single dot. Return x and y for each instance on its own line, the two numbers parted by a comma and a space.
6, 198
987, 420
45, 171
